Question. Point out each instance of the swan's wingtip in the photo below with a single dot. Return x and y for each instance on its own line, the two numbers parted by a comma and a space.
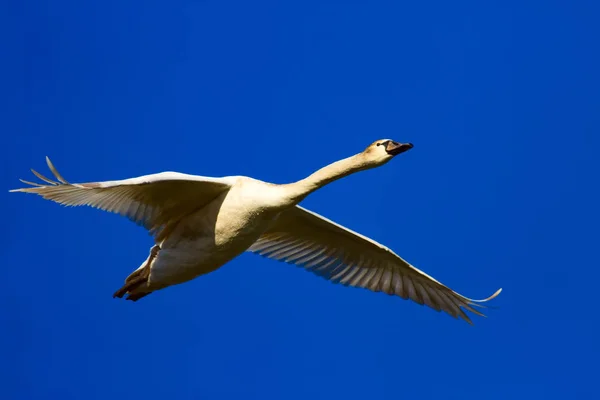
487, 299
54, 171
494, 295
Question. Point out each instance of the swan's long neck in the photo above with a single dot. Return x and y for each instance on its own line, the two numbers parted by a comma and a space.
294, 192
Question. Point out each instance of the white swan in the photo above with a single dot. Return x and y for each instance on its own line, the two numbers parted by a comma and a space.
201, 223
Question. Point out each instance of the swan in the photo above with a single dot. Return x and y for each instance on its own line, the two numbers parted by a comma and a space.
201, 223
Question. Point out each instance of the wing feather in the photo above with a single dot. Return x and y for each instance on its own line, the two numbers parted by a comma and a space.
151, 200
340, 255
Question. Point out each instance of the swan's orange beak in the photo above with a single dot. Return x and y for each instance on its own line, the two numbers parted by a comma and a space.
395, 148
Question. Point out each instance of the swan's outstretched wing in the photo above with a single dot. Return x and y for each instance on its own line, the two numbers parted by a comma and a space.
151, 200
338, 254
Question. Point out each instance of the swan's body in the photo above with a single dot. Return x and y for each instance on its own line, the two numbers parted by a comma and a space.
215, 234
201, 223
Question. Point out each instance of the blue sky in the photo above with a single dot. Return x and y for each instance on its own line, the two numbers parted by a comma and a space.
501, 190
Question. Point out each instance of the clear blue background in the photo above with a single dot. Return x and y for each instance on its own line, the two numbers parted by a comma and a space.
500, 98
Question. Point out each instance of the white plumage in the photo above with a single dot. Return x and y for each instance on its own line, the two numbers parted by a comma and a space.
200, 223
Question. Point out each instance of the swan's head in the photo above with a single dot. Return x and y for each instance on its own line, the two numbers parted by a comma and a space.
384, 150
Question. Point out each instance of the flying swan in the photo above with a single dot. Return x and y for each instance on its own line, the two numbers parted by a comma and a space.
201, 223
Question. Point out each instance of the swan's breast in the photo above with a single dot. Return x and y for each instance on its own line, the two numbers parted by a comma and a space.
212, 236
244, 214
